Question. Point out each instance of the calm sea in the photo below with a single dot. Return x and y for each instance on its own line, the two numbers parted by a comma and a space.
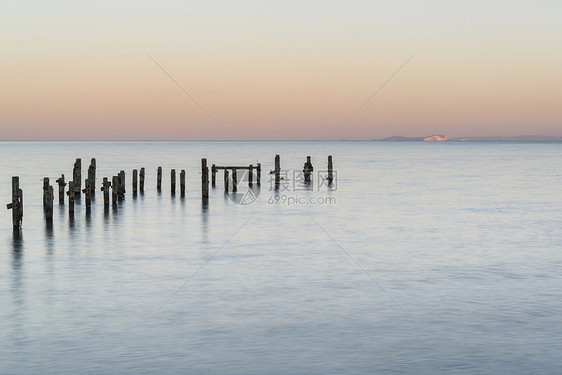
422, 258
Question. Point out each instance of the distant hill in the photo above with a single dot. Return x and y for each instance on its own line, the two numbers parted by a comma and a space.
519, 138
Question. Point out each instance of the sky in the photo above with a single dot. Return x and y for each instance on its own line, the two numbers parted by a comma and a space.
279, 70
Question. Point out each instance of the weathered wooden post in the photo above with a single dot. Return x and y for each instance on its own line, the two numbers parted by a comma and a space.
204, 179
17, 204
48, 199
307, 170
77, 176
159, 179
277, 171
134, 182
182, 182
251, 175
45, 188
105, 188
173, 181
234, 180
70, 194
88, 193
114, 189
330, 170
92, 175
259, 174
226, 180
213, 175
121, 192
62, 184
141, 180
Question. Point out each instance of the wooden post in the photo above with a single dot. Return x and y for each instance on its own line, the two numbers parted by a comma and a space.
105, 188
234, 180
92, 175
173, 181
259, 174
307, 170
251, 175
88, 193
77, 176
159, 179
45, 189
204, 178
141, 180
277, 171
70, 194
213, 175
48, 199
114, 189
226, 180
330, 170
134, 182
121, 191
17, 204
182, 182
62, 184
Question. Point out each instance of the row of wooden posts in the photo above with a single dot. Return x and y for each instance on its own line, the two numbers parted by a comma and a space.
117, 184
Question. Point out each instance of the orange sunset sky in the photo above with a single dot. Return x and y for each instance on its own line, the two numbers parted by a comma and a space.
279, 69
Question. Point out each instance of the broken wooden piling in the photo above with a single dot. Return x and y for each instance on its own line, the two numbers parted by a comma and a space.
213, 175
226, 180
88, 194
121, 191
105, 188
307, 170
251, 175
92, 175
182, 182
234, 180
277, 171
330, 170
70, 194
62, 184
17, 204
77, 176
141, 180
159, 179
135, 186
173, 181
48, 199
258, 170
204, 178
114, 189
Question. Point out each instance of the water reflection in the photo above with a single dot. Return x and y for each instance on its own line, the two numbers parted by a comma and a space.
49, 237
17, 249
205, 218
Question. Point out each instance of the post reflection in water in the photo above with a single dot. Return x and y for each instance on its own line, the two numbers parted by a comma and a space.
49, 237
205, 219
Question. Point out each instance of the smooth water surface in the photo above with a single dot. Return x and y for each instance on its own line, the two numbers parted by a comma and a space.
424, 258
